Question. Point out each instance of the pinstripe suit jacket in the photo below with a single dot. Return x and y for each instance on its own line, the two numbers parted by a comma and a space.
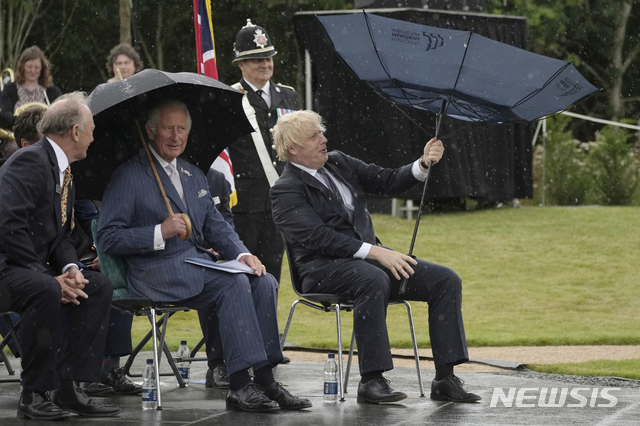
131, 208
31, 235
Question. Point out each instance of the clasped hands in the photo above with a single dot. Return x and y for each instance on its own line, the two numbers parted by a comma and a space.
72, 283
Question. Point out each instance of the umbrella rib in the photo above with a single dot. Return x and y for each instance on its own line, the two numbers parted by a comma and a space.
395, 83
535, 92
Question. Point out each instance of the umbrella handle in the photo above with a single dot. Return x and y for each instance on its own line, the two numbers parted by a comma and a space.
187, 223
185, 218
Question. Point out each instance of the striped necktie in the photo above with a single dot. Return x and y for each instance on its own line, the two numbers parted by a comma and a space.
66, 184
334, 188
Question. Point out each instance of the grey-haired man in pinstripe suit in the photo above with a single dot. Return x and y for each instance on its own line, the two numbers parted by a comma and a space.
134, 224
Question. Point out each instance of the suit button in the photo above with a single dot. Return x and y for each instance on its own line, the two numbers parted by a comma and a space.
238, 176
274, 163
269, 114
273, 146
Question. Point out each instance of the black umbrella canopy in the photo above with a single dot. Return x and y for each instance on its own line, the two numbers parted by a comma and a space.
216, 112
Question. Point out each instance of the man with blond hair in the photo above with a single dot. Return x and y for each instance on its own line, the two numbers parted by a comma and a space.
319, 205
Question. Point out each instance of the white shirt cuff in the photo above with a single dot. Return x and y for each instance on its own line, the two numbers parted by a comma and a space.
158, 241
69, 265
241, 255
363, 251
417, 172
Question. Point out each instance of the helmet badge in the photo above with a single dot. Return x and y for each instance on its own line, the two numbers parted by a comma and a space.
260, 39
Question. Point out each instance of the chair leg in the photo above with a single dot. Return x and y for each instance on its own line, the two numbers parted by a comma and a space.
346, 376
136, 351
196, 348
12, 335
415, 347
283, 339
166, 351
340, 376
156, 358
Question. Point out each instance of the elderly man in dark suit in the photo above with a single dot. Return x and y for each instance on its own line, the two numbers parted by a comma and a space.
39, 273
319, 204
134, 224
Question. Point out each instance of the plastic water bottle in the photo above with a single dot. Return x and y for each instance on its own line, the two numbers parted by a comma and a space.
149, 387
330, 380
184, 367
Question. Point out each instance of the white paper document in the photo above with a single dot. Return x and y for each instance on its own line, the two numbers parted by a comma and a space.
231, 266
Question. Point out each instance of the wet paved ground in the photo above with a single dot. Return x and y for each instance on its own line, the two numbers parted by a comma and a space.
196, 405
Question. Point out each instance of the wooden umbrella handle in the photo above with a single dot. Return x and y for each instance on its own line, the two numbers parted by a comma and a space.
186, 219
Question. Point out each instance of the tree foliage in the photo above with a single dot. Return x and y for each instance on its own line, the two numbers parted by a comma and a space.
77, 35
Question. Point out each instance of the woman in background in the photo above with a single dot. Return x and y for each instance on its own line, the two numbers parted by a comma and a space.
33, 84
123, 57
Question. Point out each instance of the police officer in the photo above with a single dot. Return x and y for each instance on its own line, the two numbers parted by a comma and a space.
255, 165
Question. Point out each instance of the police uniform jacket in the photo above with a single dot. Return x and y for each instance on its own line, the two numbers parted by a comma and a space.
251, 182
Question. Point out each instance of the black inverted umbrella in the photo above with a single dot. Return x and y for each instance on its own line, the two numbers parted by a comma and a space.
216, 112
476, 78
459, 74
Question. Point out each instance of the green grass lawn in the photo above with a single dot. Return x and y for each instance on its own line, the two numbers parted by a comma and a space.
628, 368
531, 276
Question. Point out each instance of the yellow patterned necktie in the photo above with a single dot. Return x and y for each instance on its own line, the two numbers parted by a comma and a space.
65, 193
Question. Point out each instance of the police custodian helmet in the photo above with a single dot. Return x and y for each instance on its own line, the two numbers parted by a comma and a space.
252, 42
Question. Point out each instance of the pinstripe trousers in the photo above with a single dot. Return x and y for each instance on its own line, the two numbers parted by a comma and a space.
245, 306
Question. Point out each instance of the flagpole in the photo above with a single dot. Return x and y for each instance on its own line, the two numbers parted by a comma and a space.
403, 283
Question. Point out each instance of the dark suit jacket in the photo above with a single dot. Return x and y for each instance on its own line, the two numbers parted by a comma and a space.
132, 206
31, 233
316, 224
251, 182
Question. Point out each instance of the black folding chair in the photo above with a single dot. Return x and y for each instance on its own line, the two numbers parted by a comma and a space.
12, 336
337, 304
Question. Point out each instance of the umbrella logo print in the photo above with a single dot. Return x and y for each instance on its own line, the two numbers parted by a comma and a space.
435, 41
570, 88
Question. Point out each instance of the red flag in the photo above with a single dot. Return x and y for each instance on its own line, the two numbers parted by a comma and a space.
205, 44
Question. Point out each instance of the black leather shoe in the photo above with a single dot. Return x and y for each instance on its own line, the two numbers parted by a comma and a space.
285, 360
249, 398
217, 378
71, 398
285, 400
119, 382
450, 389
377, 390
38, 406
95, 388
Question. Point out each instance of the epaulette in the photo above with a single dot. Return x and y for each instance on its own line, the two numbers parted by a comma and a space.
239, 87
286, 87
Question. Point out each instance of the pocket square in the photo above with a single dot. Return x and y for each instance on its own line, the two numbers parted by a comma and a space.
202, 193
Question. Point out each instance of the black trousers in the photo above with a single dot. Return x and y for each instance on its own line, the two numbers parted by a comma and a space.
59, 341
258, 232
119, 334
372, 286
